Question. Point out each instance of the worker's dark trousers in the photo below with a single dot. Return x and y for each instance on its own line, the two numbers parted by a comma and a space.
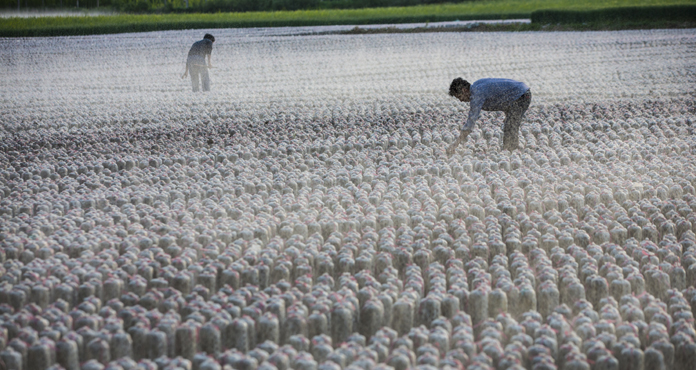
201, 72
513, 119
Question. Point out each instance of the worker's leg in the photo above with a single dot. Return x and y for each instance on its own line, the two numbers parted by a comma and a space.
195, 74
205, 79
511, 128
513, 119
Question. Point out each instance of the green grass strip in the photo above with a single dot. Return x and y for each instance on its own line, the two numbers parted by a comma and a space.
485, 9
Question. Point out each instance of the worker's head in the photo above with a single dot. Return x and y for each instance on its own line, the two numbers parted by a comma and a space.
209, 37
460, 89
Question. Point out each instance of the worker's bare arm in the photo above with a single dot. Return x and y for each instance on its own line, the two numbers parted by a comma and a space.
185, 72
461, 139
210, 65
464, 133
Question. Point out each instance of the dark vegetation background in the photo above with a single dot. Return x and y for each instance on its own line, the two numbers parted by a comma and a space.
212, 6
160, 15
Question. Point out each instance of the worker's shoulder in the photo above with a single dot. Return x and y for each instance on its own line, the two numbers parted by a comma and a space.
488, 81
203, 42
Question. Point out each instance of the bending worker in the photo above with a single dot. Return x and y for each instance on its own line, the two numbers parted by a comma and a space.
195, 63
493, 94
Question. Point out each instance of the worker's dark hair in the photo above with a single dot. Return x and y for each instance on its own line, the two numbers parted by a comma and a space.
209, 37
458, 84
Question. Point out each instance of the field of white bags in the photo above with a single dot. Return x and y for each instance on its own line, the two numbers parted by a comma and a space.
303, 214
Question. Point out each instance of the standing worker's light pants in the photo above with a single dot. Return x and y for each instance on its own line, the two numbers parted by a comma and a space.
201, 71
513, 118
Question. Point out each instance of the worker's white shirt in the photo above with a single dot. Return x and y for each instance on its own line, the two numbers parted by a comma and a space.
492, 94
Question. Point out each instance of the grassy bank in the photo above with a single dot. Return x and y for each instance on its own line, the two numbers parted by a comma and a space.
479, 10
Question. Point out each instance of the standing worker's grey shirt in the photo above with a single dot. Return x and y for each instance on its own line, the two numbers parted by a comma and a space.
492, 94
199, 49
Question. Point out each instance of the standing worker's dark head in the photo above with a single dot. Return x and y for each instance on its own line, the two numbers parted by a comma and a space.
209, 37
460, 89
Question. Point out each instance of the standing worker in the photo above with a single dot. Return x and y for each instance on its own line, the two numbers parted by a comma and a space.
195, 63
493, 94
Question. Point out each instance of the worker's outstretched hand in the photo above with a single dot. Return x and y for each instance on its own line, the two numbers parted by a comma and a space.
453, 147
450, 150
